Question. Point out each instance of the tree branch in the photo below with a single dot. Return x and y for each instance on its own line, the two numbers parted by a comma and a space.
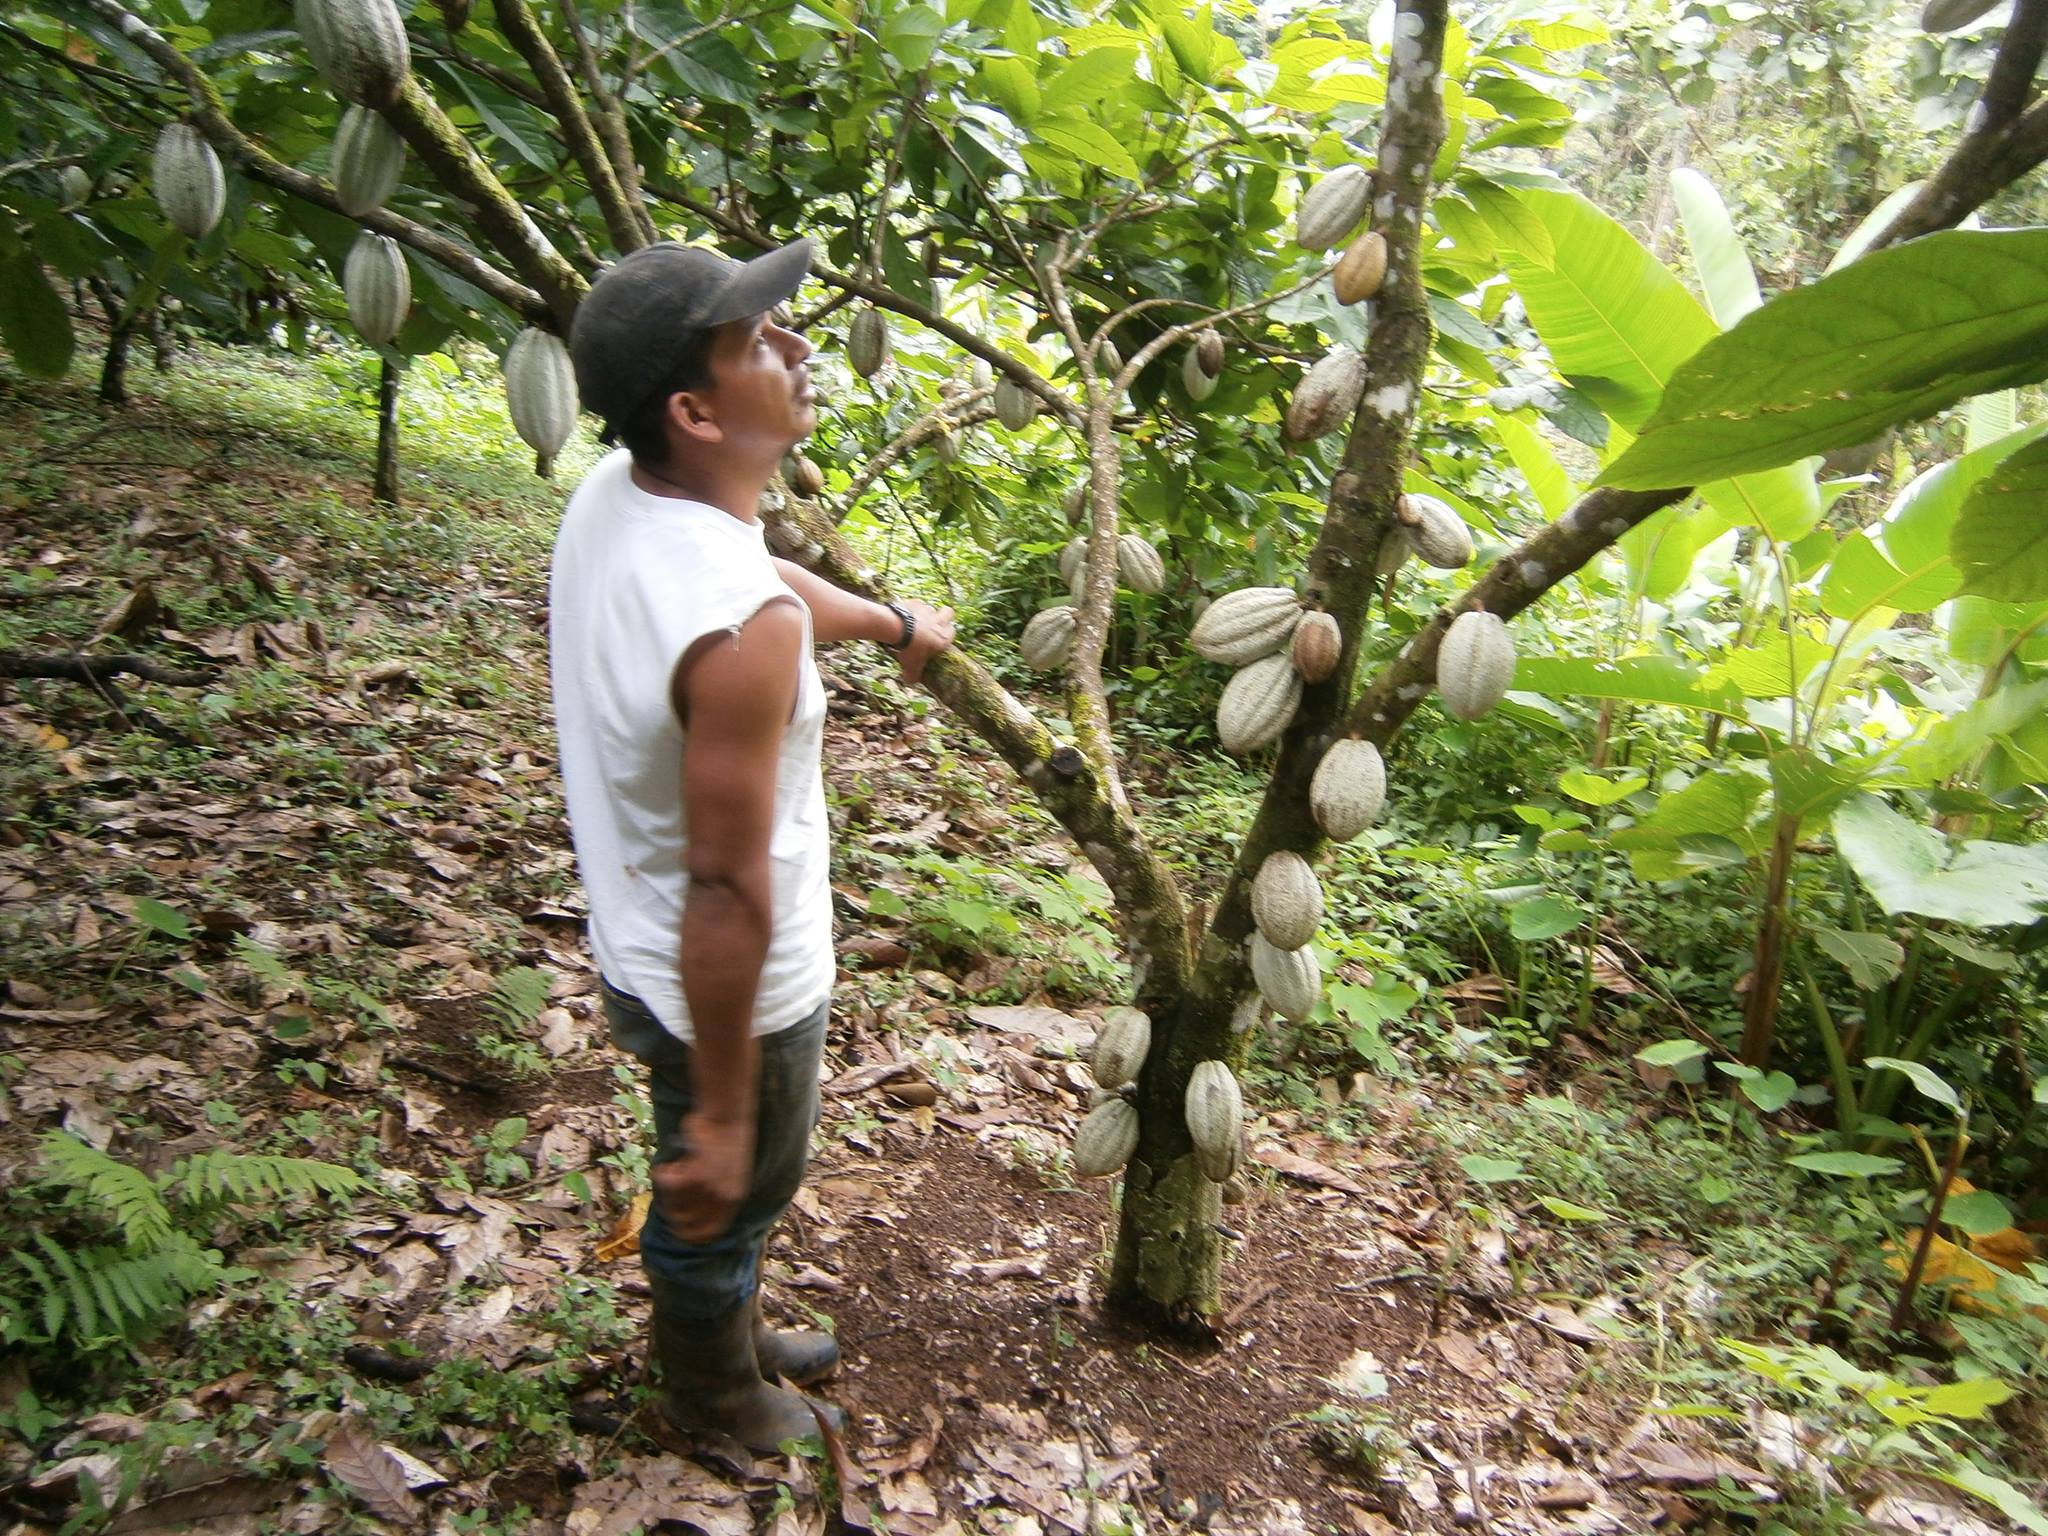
211, 118
621, 218
966, 411
75, 667
611, 120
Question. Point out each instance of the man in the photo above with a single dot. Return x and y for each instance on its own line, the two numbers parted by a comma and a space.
691, 719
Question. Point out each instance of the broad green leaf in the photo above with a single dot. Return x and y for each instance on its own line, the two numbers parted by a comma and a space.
2001, 534
1987, 418
1516, 227
1546, 478
1774, 667
1950, 743
1193, 41
1090, 77
1895, 337
1087, 141
1717, 801
34, 323
1911, 868
1769, 1091
910, 33
1490, 1170
1871, 959
1640, 679
1969, 950
1999, 1494
1979, 1213
1806, 785
1853, 1165
1544, 918
158, 918
1671, 1053
1922, 1077
1726, 276
1873, 224
1592, 789
1011, 85
1568, 1210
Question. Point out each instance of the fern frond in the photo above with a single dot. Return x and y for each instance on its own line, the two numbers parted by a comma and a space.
265, 965
516, 999
92, 1294
223, 1177
125, 1193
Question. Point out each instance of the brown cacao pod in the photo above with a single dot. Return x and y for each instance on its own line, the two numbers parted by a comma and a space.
809, 480
1362, 269
1326, 396
1209, 354
1317, 644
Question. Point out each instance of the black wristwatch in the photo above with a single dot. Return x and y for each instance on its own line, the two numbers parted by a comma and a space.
909, 626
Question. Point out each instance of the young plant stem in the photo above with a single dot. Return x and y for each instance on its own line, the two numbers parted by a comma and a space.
1902, 1309
1760, 1008
1848, 1117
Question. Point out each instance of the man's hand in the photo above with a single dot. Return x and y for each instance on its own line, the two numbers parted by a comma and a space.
700, 1192
934, 634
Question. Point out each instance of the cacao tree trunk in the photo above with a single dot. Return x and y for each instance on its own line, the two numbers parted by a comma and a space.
161, 341
385, 485
114, 371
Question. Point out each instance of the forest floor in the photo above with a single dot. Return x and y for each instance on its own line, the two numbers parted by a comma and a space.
322, 904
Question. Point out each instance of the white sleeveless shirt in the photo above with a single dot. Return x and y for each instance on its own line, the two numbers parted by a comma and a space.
639, 578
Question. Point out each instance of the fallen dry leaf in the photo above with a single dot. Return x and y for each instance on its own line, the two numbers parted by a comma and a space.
370, 1472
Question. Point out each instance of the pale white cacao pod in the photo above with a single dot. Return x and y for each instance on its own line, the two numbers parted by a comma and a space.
1048, 637
1241, 627
378, 286
1439, 535
1073, 560
358, 46
540, 391
1076, 504
1290, 980
1121, 1048
1107, 1138
1475, 663
75, 183
1287, 900
186, 174
1348, 789
369, 159
1215, 1112
1258, 704
1015, 405
1326, 396
1199, 384
1138, 564
1332, 207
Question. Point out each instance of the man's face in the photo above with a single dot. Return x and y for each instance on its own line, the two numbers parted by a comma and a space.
760, 387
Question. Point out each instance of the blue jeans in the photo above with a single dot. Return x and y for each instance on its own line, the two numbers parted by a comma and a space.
710, 1280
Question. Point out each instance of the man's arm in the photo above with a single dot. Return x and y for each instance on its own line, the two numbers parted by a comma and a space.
734, 695
837, 614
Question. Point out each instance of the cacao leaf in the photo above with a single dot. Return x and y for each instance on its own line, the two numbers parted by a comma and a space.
1911, 868
1907, 332
2001, 533
33, 321
1726, 277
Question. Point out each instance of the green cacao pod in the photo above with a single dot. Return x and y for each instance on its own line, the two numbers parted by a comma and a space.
1332, 208
1197, 381
369, 157
1362, 268
358, 46
1438, 534
1015, 405
1215, 1111
867, 342
1287, 900
378, 286
1106, 1140
1242, 626
1258, 704
1326, 396
1395, 549
1318, 642
191, 188
1048, 637
1475, 663
1290, 980
808, 479
1953, 15
75, 185
1138, 564
1121, 1047
1209, 354
1348, 790
540, 391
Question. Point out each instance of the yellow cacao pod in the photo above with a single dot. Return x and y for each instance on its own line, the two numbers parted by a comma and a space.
1215, 1112
1107, 1138
1287, 900
1317, 644
1362, 269
1121, 1048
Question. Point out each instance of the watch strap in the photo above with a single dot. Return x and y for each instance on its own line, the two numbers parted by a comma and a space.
909, 625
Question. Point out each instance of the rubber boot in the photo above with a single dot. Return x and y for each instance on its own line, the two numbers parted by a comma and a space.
801, 1355
711, 1380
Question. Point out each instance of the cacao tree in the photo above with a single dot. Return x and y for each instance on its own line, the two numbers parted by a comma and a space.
1097, 211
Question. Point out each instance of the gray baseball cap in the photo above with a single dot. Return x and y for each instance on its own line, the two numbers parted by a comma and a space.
640, 314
